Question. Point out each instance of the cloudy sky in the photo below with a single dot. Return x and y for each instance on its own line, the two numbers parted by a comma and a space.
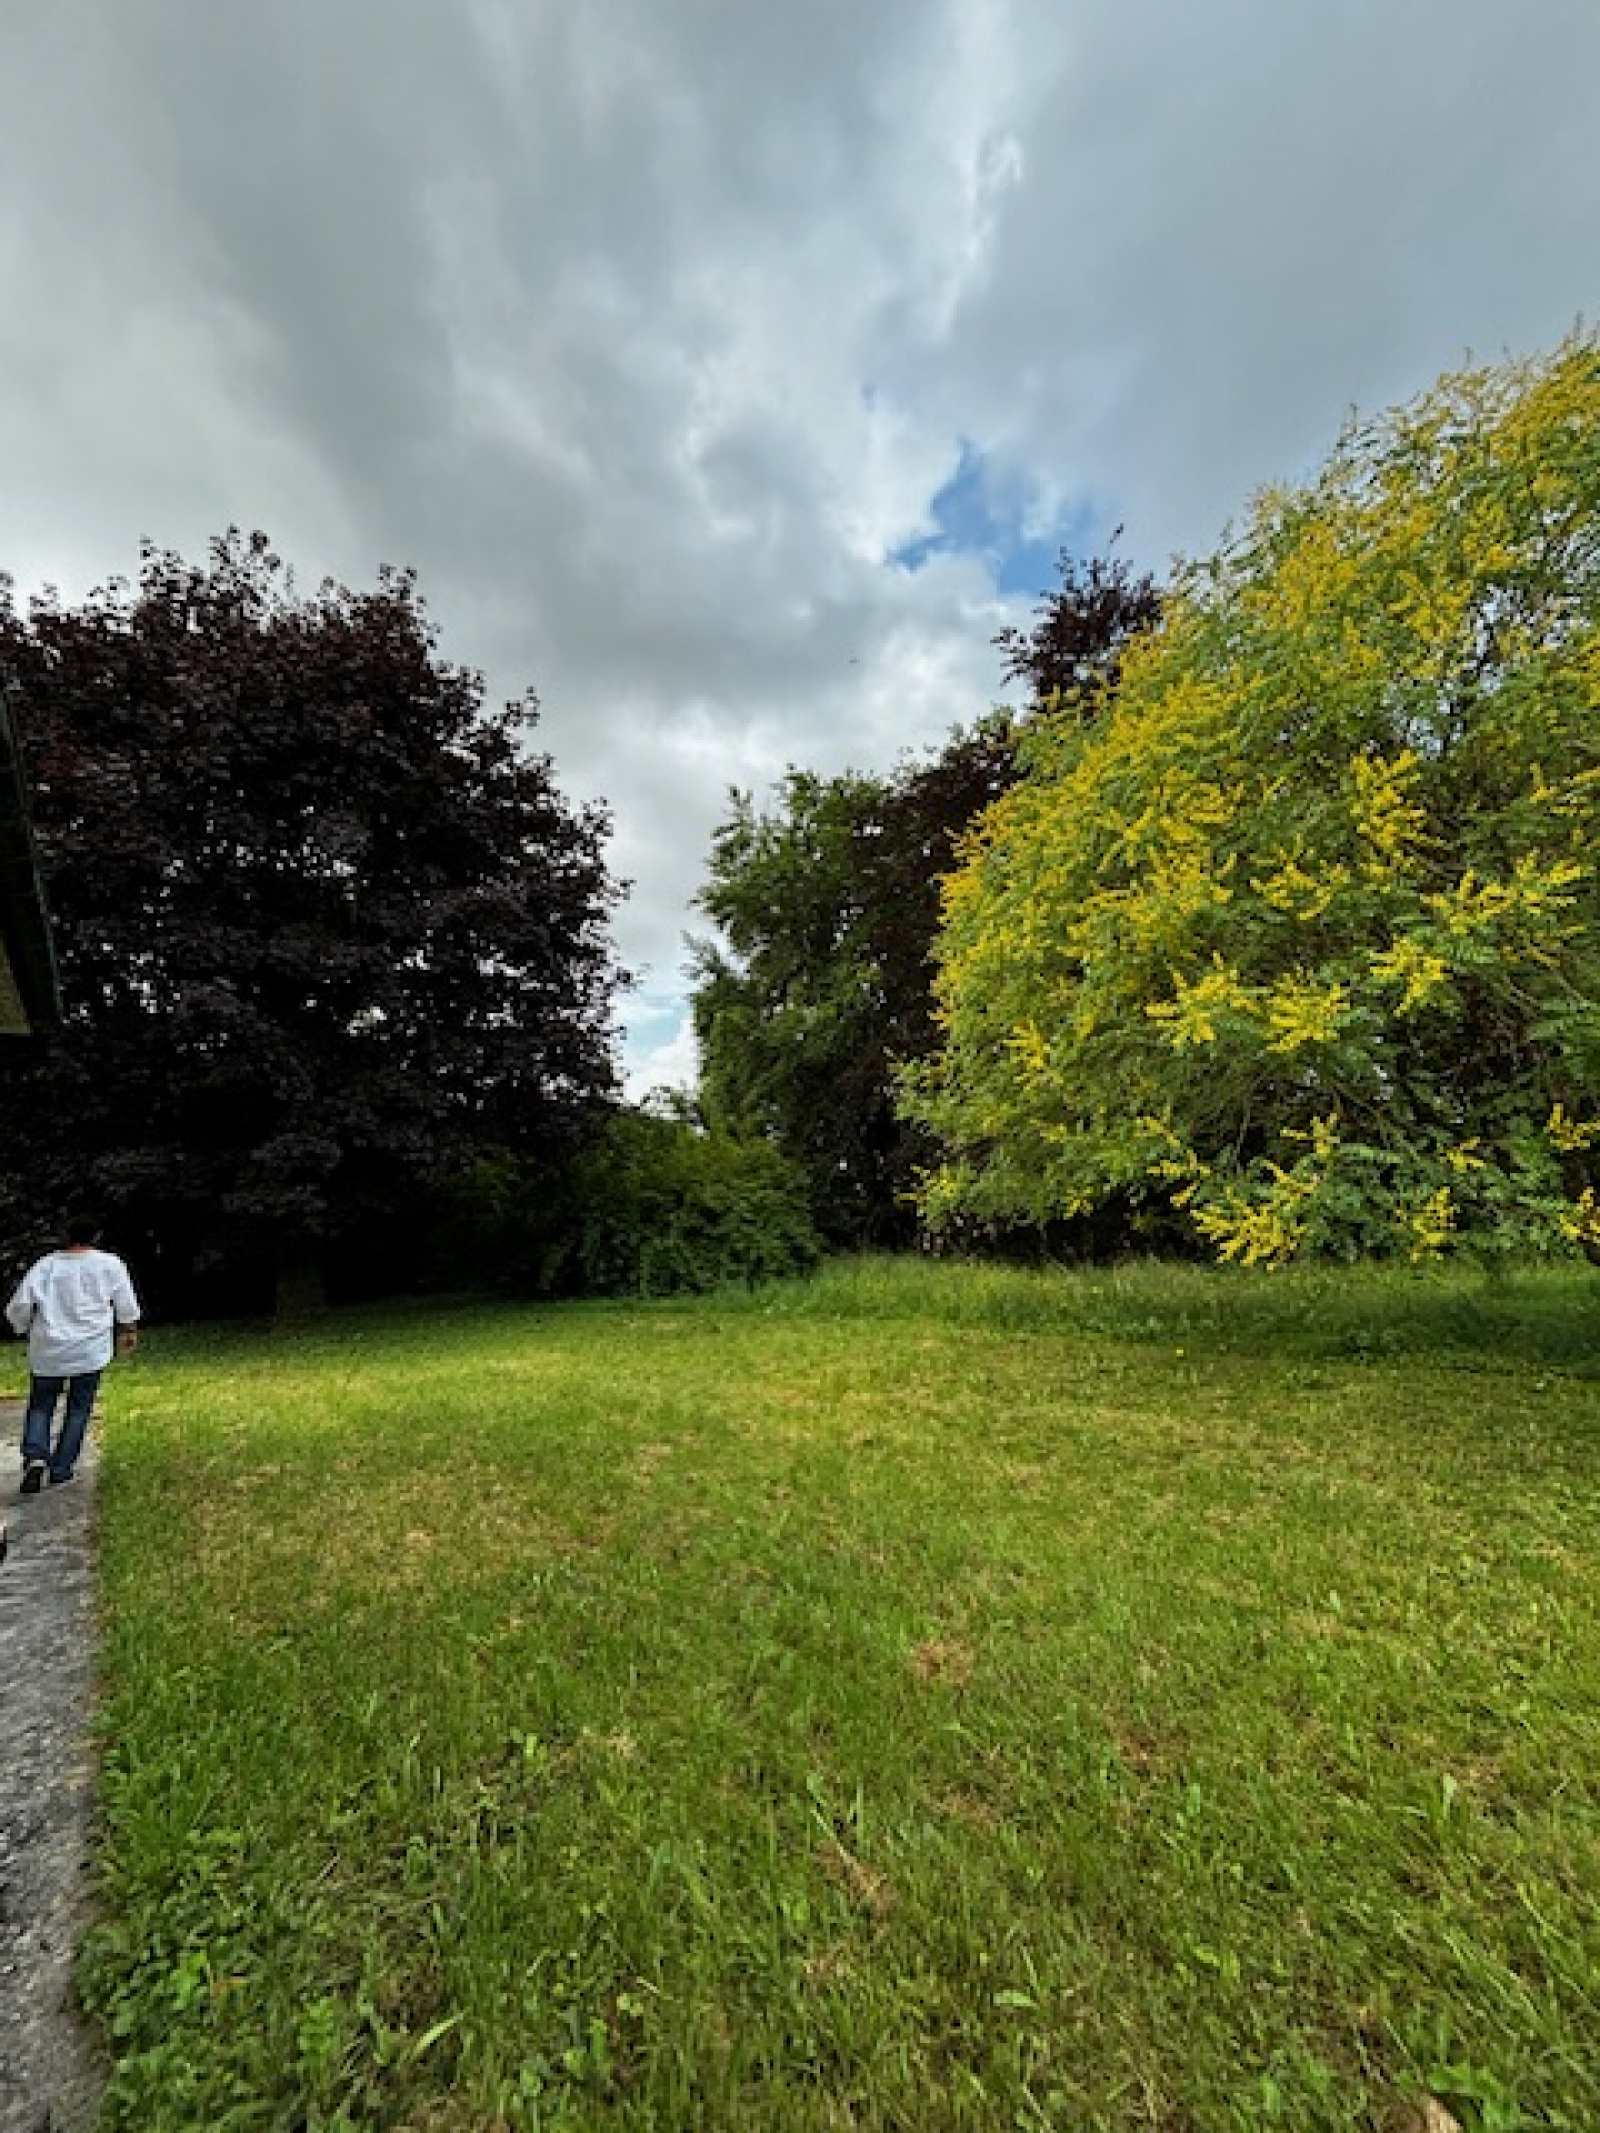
732, 371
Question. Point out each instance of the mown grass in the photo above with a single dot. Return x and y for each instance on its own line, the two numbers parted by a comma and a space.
929, 1697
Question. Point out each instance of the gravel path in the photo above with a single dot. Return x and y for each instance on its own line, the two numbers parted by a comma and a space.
49, 2075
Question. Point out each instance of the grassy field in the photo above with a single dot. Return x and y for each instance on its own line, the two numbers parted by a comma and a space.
924, 1698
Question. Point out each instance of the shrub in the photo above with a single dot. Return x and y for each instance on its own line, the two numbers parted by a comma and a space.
664, 1208
653, 1207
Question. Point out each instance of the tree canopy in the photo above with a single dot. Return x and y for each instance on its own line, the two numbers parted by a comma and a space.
325, 924
827, 904
1301, 941
784, 1007
819, 989
1071, 656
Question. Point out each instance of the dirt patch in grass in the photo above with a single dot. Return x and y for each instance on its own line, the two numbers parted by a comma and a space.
944, 1661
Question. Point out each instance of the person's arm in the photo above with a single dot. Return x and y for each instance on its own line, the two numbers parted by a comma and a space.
125, 1310
20, 1310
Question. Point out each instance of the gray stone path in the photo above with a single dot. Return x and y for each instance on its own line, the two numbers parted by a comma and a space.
49, 2075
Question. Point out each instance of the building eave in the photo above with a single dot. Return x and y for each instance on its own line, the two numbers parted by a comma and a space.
30, 986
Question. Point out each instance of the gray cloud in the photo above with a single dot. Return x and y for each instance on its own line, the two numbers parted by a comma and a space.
1240, 221
649, 334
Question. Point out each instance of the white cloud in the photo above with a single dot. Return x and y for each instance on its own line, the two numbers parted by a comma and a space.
664, 1054
648, 334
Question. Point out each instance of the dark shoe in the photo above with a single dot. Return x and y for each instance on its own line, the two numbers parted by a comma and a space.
56, 1480
33, 1477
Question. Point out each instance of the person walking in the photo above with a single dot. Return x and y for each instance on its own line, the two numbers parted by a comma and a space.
75, 1306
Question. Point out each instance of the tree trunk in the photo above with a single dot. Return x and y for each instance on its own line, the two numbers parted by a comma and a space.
302, 1289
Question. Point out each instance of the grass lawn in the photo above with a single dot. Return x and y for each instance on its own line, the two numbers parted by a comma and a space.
924, 1698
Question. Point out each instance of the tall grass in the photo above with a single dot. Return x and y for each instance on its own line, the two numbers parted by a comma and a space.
1541, 1314
925, 1697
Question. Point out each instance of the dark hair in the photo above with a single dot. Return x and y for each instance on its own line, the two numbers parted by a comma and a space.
83, 1228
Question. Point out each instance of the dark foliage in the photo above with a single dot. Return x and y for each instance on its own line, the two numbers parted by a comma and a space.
652, 1207
903, 843
324, 925
1073, 653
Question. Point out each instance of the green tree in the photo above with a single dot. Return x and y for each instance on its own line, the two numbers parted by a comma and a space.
819, 989
325, 924
784, 1005
1302, 941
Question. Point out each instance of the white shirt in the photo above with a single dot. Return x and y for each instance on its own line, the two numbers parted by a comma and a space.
68, 1305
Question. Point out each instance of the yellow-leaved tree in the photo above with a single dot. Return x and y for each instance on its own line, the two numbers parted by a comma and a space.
1301, 942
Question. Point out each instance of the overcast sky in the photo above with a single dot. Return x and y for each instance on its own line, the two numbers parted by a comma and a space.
729, 371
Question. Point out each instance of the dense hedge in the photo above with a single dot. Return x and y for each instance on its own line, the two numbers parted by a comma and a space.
653, 1207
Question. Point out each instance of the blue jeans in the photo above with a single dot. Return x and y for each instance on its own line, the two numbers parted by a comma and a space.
43, 1393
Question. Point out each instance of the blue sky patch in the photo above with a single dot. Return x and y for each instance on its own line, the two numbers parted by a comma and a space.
986, 512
